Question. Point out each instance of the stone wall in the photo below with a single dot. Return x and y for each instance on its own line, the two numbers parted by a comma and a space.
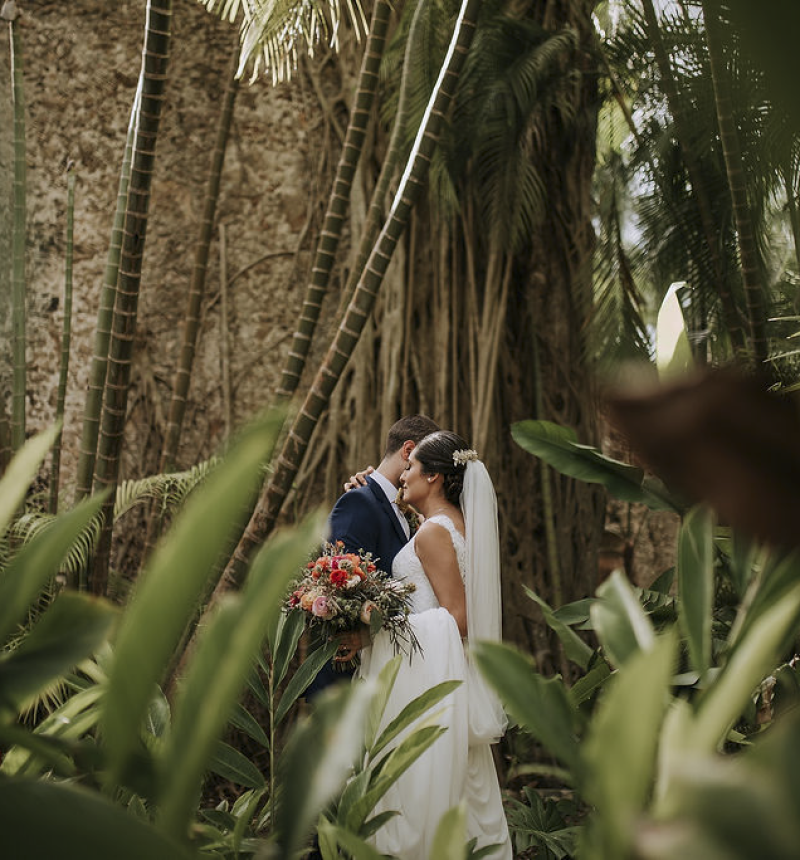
81, 66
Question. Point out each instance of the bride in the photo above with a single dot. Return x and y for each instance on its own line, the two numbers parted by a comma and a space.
454, 561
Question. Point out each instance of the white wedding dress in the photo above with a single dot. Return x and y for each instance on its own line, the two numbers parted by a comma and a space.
453, 769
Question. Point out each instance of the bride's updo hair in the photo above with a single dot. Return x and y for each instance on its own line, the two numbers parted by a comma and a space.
435, 455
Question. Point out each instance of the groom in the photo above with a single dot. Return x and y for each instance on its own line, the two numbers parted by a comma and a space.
367, 517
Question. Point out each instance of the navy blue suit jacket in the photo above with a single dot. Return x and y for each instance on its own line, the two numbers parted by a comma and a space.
363, 519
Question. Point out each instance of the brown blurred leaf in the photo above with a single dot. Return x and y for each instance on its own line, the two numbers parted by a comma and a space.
722, 439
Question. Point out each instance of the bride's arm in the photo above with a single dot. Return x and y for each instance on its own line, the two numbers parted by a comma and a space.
435, 551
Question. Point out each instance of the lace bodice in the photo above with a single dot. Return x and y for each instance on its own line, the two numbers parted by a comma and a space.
408, 567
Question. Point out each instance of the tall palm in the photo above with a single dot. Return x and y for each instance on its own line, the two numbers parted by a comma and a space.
734, 164
155, 60
686, 137
684, 206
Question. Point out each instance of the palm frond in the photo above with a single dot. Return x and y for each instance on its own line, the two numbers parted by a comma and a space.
169, 490
273, 33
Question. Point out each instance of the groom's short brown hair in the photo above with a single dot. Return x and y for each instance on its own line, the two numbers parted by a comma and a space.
413, 427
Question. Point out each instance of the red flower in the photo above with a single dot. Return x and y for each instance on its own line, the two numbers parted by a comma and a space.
338, 578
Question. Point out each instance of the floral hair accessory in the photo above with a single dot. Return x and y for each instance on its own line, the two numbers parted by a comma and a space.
464, 456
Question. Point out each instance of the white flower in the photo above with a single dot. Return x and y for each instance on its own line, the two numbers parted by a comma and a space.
352, 582
462, 457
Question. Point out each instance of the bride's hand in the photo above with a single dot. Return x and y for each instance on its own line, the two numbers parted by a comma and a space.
350, 643
359, 479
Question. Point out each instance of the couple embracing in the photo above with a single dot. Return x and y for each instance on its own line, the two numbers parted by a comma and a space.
454, 561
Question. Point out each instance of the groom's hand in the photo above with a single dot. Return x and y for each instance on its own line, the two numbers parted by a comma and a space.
350, 644
359, 479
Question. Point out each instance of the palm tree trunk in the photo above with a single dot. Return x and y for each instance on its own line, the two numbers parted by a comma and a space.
65, 344
18, 316
155, 59
102, 332
730, 311
338, 202
734, 166
362, 303
183, 374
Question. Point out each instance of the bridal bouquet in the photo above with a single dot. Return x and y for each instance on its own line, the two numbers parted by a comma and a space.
339, 591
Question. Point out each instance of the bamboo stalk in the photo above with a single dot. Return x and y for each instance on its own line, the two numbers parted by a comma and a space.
224, 343
155, 60
337, 204
294, 447
10, 13
194, 305
105, 313
65, 345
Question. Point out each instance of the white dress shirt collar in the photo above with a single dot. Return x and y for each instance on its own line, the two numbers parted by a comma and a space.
391, 494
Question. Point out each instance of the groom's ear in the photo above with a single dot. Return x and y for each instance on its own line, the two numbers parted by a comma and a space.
406, 448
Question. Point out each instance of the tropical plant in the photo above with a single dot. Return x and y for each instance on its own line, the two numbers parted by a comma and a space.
117, 760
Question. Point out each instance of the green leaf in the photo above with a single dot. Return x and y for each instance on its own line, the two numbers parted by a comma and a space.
230, 764
305, 674
574, 647
413, 711
317, 760
170, 587
776, 580
585, 686
539, 705
449, 841
621, 624
377, 706
396, 763
288, 630
340, 837
21, 471
673, 353
755, 656
247, 723
622, 743
696, 585
225, 652
68, 632
51, 752
38, 561
49, 819
559, 448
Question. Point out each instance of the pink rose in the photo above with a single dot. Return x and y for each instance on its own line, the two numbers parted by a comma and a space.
320, 607
366, 611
